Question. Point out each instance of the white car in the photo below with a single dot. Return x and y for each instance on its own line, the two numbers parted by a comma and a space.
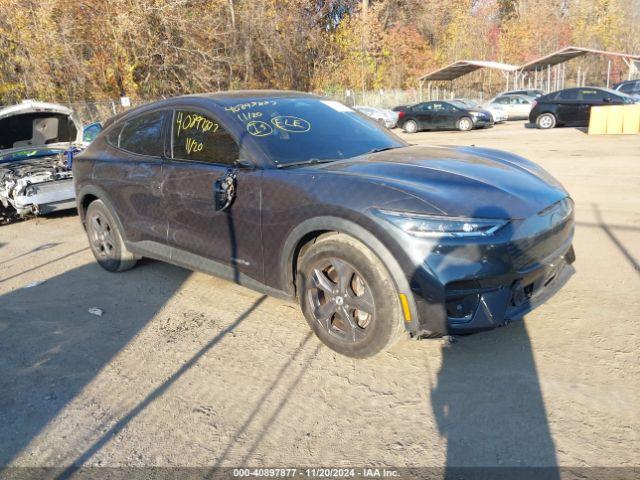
37, 143
516, 106
387, 118
498, 112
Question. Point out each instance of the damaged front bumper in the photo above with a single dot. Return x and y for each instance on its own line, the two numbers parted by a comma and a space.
36, 186
465, 286
488, 307
43, 198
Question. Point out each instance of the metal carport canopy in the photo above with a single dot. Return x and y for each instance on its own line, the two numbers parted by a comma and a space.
568, 53
463, 67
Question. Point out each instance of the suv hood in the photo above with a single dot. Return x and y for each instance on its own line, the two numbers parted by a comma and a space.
459, 181
32, 124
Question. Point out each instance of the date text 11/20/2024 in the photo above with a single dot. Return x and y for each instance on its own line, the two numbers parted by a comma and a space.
316, 472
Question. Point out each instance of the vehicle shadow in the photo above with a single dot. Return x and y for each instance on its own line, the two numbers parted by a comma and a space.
488, 404
487, 401
52, 347
45, 246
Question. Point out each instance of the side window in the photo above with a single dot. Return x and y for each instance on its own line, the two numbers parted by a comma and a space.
591, 95
113, 136
568, 95
143, 135
200, 138
502, 100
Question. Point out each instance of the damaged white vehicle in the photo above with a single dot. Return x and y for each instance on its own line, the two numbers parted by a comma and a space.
37, 144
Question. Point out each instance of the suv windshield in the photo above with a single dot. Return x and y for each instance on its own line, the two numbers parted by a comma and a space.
294, 130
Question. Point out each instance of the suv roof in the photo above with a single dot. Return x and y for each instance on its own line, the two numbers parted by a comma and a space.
237, 94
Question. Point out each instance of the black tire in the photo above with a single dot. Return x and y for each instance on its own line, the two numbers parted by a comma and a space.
546, 121
348, 297
410, 126
464, 124
105, 239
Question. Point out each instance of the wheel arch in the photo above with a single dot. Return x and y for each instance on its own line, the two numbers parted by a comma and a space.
91, 193
305, 234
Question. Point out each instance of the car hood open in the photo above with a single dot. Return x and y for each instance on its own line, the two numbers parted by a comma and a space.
32, 124
459, 181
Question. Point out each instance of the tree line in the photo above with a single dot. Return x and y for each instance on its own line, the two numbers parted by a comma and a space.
83, 50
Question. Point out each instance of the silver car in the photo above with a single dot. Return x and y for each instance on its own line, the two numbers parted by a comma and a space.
516, 106
37, 144
388, 118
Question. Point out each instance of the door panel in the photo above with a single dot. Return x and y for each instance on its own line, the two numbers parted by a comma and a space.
423, 117
233, 236
440, 116
203, 152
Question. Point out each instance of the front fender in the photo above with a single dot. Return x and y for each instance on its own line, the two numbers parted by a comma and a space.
341, 225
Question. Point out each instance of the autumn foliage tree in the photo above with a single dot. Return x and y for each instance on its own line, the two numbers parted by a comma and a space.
83, 50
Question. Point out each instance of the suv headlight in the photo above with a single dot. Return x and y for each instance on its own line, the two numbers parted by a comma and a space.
431, 226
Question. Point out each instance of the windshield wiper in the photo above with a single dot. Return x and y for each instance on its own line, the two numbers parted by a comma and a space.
311, 161
384, 149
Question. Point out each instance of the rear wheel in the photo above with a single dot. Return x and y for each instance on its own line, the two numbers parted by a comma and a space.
410, 126
546, 121
465, 124
348, 297
105, 240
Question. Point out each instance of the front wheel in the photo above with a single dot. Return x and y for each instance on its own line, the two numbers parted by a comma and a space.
410, 126
546, 121
465, 124
348, 297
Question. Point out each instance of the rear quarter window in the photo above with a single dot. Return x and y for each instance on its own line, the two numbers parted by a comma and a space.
143, 135
112, 137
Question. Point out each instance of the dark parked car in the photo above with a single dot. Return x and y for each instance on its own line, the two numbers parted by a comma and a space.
630, 87
303, 198
572, 106
442, 116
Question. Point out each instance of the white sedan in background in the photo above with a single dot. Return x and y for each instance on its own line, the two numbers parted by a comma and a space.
388, 118
516, 106
498, 113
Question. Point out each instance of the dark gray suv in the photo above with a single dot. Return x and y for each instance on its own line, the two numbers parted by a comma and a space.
304, 198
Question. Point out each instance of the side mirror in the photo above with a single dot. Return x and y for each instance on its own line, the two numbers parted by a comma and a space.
244, 164
91, 131
606, 99
224, 190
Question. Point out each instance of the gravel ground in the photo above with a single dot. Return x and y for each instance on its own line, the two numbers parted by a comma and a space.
186, 369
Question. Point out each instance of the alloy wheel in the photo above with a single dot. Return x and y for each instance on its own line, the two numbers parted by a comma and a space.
102, 237
341, 300
465, 124
410, 127
545, 121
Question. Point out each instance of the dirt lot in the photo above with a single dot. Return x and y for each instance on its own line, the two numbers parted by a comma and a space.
186, 369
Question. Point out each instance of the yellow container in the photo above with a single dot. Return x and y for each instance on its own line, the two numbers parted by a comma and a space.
631, 119
614, 119
615, 115
598, 121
